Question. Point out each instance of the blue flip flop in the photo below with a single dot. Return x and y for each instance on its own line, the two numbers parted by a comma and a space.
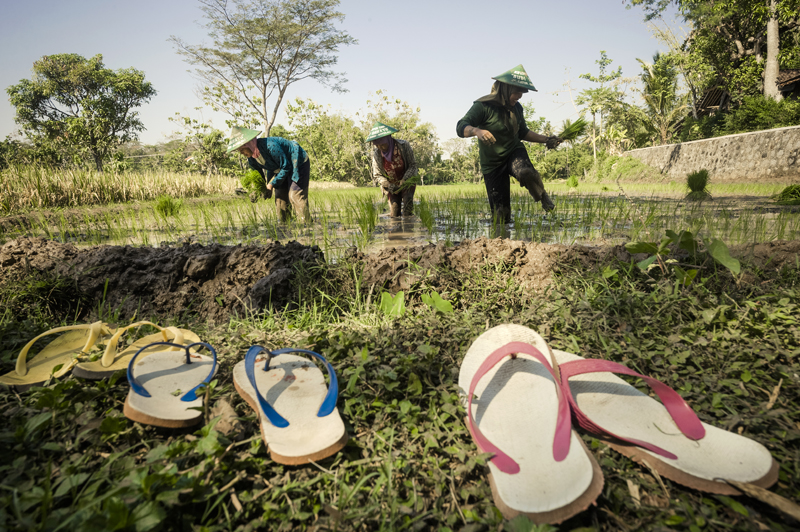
164, 389
296, 408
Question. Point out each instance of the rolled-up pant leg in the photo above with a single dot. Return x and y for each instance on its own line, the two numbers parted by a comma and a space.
521, 167
282, 203
498, 189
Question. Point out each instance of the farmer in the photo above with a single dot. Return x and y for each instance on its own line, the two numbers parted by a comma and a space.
393, 166
498, 122
284, 165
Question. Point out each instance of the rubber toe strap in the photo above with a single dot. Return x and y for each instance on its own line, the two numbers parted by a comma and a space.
111, 347
683, 415
561, 442
189, 396
96, 329
328, 404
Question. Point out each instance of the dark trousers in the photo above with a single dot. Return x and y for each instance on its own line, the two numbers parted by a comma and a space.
498, 183
404, 198
294, 194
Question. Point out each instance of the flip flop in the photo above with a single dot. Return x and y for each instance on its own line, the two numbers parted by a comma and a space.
540, 467
164, 390
669, 437
76, 340
296, 409
112, 361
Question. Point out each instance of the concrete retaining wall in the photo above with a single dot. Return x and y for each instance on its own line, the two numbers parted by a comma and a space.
760, 155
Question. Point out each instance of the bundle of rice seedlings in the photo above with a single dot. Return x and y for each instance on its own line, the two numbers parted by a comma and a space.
253, 182
167, 206
788, 196
410, 182
573, 130
698, 186
572, 182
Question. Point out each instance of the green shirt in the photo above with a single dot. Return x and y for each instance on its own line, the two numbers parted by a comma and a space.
490, 117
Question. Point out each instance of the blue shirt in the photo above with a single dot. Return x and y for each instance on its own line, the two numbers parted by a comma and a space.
281, 159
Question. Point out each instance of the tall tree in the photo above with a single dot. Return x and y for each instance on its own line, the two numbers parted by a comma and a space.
81, 104
261, 47
663, 105
741, 38
602, 98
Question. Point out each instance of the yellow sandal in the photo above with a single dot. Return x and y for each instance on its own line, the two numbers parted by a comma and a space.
58, 357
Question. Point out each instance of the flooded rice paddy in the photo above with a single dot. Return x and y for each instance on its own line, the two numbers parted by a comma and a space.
358, 218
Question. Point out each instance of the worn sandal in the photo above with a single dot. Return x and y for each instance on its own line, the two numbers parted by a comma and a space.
540, 467
112, 361
165, 385
296, 409
58, 357
669, 437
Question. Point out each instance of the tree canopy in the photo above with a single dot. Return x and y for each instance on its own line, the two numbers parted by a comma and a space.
80, 104
260, 48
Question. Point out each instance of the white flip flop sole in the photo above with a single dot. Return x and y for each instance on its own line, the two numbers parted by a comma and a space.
516, 409
295, 388
167, 378
618, 407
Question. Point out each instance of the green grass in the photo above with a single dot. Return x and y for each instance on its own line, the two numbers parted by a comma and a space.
70, 460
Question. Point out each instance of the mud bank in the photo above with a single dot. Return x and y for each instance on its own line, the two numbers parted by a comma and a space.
215, 282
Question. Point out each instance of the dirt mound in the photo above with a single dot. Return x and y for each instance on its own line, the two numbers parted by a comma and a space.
210, 281
216, 281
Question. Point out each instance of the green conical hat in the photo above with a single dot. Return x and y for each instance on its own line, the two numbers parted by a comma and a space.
517, 77
380, 130
240, 136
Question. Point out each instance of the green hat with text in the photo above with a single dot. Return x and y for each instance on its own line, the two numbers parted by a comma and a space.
240, 136
380, 130
517, 77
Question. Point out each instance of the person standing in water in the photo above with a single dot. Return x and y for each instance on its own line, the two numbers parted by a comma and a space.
393, 164
498, 121
284, 165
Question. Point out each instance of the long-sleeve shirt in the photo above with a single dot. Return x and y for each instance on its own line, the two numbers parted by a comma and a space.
490, 117
379, 174
282, 159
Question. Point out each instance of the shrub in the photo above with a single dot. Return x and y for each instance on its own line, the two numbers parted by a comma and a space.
167, 206
698, 186
759, 112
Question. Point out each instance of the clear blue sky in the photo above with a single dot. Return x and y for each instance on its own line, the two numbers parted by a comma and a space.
439, 55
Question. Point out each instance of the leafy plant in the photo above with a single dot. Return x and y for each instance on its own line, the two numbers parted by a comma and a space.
394, 307
716, 249
435, 301
412, 181
697, 182
167, 206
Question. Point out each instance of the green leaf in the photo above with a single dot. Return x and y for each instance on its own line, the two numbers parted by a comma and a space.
685, 240
441, 305
148, 516
393, 306
647, 262
642, 247
414, 384
719, 251
746, 376
70, 482
609, 272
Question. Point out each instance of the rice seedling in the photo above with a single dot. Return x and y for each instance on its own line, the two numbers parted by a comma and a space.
167, 206
573, 130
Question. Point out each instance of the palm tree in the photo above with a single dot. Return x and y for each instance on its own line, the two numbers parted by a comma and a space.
663, 105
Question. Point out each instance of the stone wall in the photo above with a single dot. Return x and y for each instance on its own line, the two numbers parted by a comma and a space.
771, 154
